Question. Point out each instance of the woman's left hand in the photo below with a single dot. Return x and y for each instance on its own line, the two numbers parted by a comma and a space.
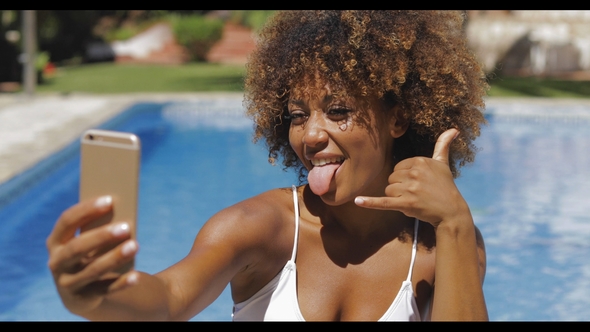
423, 188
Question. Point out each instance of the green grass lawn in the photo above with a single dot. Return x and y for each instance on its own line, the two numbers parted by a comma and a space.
125, 78
191, 77
537, 87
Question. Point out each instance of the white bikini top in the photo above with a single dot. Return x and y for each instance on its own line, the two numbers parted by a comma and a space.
277, 300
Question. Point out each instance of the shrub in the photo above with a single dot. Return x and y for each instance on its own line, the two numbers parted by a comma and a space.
253, 19
197, 33
122, 33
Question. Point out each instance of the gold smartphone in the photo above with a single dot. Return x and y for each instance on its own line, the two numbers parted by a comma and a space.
109, 165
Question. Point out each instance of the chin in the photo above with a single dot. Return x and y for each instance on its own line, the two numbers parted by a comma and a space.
332, 198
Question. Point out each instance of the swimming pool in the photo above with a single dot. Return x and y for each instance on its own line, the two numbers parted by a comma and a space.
528, 191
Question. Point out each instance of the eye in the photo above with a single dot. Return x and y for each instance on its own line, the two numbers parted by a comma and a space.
339, 113
296, 117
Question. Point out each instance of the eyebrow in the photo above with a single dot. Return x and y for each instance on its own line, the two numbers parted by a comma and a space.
298, 102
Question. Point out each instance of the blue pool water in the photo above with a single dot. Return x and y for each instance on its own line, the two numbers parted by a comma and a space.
528, 191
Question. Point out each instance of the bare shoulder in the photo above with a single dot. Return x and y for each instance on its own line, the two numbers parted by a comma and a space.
251, 225
248, 236
266, 209
257, 234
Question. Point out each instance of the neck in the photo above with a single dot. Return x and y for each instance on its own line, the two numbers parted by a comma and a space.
351, 234
354, 222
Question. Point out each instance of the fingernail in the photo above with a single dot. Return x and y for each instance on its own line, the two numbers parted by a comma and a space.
456, 135
120, 229
129, 248
132, 278
359, 200
103, 201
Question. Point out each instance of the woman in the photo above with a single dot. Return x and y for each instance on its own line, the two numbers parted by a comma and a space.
379, 109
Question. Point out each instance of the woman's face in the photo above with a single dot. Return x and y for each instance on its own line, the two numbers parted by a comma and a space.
346, 146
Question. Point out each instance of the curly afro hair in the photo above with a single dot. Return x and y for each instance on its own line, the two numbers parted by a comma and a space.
418, 60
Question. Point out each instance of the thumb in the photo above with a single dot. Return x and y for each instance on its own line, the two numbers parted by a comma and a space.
443, 144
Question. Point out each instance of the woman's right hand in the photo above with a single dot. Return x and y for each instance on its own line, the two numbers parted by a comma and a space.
82, 277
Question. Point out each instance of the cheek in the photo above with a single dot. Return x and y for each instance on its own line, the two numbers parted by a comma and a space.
376, 151
346, 124
371, 141
295, 141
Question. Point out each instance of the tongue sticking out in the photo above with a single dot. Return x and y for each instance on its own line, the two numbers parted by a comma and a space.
319, 178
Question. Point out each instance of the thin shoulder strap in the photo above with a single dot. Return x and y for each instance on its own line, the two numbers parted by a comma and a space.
296, 208
414, 249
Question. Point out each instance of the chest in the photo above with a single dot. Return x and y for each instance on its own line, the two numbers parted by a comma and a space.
340, 284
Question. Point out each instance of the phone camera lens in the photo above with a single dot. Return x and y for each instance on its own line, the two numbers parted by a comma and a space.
90, 137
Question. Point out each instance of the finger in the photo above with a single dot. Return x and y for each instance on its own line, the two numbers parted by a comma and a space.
129, 279
112, 284
402, 175
67, 256
76, 216
442, 146
378, 203
101, 269
404, 164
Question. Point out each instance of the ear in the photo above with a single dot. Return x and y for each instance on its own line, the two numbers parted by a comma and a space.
397, 122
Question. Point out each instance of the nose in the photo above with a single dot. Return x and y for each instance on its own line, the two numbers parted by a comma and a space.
315, 133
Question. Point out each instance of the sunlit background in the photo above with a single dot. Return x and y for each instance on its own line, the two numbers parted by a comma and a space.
61, 71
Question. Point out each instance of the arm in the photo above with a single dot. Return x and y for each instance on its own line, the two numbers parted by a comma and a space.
459, 272
89, 288
424, 188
